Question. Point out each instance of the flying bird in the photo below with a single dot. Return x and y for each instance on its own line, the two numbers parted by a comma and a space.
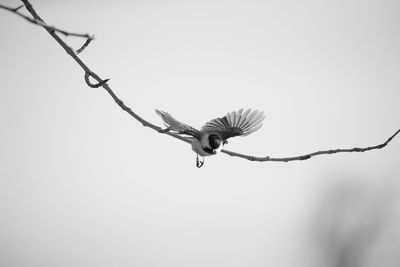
214, 134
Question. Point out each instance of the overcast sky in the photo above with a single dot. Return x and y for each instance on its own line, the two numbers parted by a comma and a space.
84, 184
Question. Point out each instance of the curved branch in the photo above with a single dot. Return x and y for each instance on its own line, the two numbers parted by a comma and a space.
103, 83
310, 155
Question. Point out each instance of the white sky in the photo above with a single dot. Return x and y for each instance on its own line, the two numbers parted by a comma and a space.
83, 184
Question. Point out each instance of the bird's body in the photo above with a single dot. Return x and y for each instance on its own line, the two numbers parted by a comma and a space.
214, 134
203, 146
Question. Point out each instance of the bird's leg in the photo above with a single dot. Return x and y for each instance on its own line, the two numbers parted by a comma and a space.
199, 163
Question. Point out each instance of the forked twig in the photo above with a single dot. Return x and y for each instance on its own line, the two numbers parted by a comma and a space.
103, 83
39, 21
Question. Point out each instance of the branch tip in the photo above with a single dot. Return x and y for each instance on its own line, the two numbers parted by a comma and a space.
37, 20
84, 45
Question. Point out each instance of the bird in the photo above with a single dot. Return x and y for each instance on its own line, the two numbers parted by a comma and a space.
210, 139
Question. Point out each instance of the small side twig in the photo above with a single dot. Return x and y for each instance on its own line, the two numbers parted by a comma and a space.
88, 40
40, 22
96, 85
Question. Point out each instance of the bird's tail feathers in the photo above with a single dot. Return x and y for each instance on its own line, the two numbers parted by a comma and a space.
175, 125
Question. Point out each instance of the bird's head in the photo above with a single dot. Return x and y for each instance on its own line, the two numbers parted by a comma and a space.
215, 141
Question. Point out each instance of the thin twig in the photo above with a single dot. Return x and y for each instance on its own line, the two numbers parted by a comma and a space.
38, 21
103, 83
83, 47
310, 155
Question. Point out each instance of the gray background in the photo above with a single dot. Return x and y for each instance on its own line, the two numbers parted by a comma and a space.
83, 184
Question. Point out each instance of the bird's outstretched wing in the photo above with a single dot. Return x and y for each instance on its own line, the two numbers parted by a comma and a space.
236, 123
177, 126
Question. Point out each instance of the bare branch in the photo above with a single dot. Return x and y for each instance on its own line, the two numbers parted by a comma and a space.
100, 81
103, 83
310, 155
38, 21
